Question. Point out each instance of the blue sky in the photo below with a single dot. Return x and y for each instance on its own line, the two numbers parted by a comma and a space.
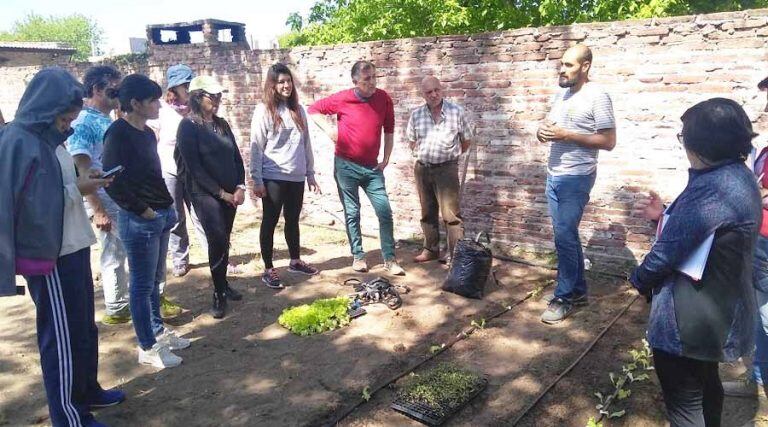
120, 19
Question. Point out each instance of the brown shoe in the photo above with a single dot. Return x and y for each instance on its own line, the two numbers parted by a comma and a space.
425, 255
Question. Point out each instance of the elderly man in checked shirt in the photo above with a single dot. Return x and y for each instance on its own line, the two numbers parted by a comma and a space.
438, 132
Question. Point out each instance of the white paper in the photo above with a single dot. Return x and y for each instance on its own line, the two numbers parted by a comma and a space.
694, 265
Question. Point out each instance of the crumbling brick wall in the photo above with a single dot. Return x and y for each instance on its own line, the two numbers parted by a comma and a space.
654, 70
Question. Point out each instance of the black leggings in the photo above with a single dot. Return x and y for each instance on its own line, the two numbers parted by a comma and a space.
216, 217
287, 196
692, 390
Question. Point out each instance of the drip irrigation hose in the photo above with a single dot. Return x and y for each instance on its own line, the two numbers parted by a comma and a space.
575, 362
445, 346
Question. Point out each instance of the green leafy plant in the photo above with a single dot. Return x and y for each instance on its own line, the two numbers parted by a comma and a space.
366, 393
632, 372
320, 316
478, 325
441, 387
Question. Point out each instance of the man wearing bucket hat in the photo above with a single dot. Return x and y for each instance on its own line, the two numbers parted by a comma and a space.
209, 163
173, 108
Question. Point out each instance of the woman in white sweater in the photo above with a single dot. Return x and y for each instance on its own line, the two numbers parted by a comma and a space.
281, 160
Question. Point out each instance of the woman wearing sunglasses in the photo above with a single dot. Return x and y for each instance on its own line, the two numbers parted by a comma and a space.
209, 162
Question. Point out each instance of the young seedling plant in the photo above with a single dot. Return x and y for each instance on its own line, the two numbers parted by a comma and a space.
635, 371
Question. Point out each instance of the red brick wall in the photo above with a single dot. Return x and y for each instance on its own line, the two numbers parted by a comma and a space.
653, 69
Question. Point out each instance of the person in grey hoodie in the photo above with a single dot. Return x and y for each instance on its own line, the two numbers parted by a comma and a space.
281, 160
39, 239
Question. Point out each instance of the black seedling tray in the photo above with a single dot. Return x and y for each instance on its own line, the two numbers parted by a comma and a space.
426, 414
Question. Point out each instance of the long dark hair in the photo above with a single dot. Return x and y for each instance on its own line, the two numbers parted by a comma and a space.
196, 113
272, 99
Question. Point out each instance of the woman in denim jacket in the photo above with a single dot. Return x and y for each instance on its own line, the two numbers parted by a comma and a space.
696, 324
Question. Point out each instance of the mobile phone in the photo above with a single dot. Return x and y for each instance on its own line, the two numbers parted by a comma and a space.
112, 172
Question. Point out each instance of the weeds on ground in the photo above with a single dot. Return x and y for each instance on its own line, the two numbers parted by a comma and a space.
322, 315
442, 387
635, 371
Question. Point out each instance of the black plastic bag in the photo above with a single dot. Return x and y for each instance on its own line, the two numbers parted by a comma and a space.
470, 268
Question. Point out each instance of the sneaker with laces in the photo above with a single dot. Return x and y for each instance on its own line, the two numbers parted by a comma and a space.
302, 267
394, 268
577, 301
180, 270
359, 265
159, 356
122, 316
174, 342
106, 398
556, 311
271, 279
747, 387
168, 308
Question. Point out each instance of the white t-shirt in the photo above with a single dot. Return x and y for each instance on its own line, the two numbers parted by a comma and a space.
165, 127
77, 233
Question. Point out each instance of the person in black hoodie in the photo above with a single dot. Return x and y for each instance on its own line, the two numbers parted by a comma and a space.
145, 217
209, 162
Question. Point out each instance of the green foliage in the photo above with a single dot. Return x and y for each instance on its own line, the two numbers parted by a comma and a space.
344, 21
593, 423
320, 316
631, 372
366, 393
295, 21
443, 386
79, 31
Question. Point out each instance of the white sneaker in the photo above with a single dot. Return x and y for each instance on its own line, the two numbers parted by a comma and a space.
174, 342
159, 356
394, 268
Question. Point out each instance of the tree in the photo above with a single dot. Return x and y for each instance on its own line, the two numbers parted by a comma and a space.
77, 30
295, 21
343, 21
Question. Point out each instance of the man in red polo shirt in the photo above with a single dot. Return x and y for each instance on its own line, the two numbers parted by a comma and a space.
361, 113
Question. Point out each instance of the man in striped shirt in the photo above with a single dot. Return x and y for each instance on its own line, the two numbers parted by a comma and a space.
438, 132
579, 124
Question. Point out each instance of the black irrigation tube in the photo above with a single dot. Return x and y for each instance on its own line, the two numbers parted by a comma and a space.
445, 346
575, 362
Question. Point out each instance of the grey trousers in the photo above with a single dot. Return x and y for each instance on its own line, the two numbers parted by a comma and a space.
178, 247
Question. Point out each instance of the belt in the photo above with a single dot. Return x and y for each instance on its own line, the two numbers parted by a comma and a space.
436, 165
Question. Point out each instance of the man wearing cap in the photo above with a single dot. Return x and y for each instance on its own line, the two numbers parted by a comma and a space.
362, 113
438, 132
173, 108
86, 145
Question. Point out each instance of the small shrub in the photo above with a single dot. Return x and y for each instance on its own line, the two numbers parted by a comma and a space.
320, 316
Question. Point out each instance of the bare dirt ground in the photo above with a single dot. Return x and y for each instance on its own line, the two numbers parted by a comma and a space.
247, 370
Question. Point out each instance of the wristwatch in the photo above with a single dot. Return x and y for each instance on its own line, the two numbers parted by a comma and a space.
242, 187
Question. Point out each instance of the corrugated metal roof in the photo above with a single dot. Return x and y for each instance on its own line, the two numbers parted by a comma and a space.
38, 47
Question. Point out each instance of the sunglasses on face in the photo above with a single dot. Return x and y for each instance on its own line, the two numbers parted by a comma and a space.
212, 97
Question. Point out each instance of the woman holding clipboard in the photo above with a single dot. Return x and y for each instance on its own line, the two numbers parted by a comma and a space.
695, 324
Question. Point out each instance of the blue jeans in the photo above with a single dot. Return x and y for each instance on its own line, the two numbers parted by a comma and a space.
146, 243
760, 278
567, 195
351, 176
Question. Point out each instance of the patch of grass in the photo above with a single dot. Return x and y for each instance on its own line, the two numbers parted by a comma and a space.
322, 315
442, 387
